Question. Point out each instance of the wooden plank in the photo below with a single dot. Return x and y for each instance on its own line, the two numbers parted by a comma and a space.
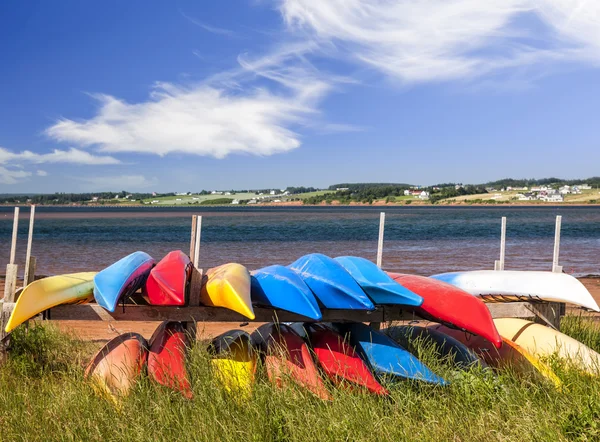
380, 241
555, 267
193, 238
13, 244
28, 276
10, 284
195, 287
30, 271
196, 256
499, 265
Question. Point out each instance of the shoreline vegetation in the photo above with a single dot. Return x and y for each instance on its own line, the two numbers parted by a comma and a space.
507, 192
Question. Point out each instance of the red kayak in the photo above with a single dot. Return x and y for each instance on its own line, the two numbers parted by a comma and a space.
166, 358
340, 362
167, 282
287, 357
450, 305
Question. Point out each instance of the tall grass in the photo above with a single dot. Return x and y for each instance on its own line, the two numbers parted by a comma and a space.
43, 396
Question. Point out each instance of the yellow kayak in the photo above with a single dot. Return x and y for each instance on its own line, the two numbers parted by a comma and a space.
234, 362
228, 286
544, 341
76, 288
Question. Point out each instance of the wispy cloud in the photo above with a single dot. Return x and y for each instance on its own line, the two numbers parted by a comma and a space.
209, 28
117, 183
8, 176
41, 173
434, 40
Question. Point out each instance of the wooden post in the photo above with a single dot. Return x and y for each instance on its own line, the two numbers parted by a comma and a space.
13, 246
10, 284
193, 238
196, 279
555, 267
380, 242
499, 265
196, 256
29, 274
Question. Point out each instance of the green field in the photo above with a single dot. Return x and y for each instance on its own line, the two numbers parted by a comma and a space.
44, 396
198, 199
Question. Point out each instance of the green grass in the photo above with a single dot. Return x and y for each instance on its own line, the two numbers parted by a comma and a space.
43, 396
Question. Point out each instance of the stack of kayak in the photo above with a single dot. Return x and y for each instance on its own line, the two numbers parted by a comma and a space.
452, 305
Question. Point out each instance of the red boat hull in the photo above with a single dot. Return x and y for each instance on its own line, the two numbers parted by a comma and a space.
451, 306
166, 358
168, 281
339, 361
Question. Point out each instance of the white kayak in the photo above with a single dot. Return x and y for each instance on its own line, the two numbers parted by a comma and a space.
514, 285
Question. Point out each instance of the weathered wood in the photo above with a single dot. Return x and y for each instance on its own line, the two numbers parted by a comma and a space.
13, 244
196, 256
10, 284
380, 241
29, 275
548, 314
499, 265
555, 267
195, 287
193, 238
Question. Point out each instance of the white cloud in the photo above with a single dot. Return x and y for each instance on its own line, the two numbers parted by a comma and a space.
72, 155
247, 110
41, 173
417, 41
209, 28
117, 183
8, 176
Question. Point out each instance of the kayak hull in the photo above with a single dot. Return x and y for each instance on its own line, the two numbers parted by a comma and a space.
166, 357
168, 281
280, 287
330, 283
234, 362
122, 279
450, 305
40, 295
228, 286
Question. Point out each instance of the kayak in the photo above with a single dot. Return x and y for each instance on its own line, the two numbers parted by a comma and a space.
166, 357
279, 287
330, 283
115, 369
121, 279
513, 285
234, 362
409, 337
339, 361
450, 305
287, 358
228, 286
40, 295
511, 355
385, 357
167, 282
377, 284
544, 341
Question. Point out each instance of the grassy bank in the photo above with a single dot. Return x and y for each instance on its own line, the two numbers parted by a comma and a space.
43, 396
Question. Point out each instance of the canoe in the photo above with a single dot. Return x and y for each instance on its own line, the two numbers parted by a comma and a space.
513, 285
287, 359
228, 286
377, 284
166, 357
117, 366
409, 337
338, 360
234, 362
510, 355
40, 295
385, 357
544, 341
450, 305
330, 283
167, 282
281, 288
122, 279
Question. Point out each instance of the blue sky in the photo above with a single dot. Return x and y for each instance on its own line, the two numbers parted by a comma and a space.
187, 95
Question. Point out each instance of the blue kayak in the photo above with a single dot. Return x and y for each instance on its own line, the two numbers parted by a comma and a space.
330, 283
279, 287
385, 357
380, 287
122, 279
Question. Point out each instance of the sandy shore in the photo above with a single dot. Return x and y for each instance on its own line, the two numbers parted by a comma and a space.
103, 331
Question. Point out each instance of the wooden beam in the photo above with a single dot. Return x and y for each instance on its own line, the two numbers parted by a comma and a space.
196, 256
193, 238
499, 265
555, 267
15, 232
29, 275
10, 284
380, 241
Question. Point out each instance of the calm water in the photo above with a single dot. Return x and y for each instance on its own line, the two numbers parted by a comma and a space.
417, 240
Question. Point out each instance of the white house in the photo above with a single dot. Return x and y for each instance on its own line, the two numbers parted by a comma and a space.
235, 202
273, 192
407, 192
585, 187
424, 195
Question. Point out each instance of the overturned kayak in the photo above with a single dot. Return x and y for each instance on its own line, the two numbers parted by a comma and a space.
380, 287
544, 341
410, 336
234, 362
168, 281
330, 283
513, 285
280, 287
450, 305
122, 279
40, 295
385, 357
115, 369
166, 357
228, 286
287, 359
338, 360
